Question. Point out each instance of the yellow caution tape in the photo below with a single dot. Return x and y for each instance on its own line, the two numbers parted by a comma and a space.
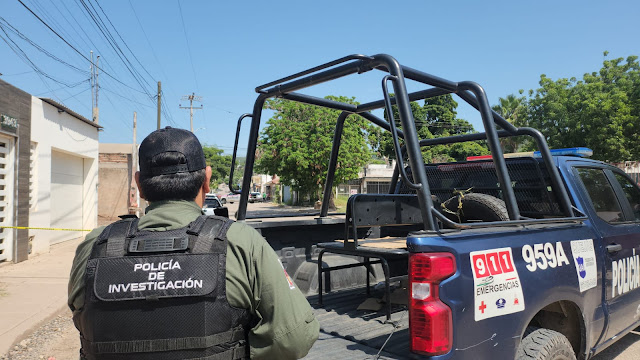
40, 228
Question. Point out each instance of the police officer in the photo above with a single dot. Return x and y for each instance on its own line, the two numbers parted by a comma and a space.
180, 285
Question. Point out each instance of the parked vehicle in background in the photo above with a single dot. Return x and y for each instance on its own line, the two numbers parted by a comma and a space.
222, 198
231, 198
255, 196
213, 206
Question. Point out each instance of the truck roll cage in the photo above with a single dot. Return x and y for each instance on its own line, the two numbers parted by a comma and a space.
470, 92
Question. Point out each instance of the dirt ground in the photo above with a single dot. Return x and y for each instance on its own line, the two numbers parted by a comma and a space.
56, 339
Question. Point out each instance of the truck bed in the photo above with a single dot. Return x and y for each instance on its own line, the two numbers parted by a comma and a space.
346, 332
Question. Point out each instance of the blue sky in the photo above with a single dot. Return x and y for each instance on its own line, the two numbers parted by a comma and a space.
223, 50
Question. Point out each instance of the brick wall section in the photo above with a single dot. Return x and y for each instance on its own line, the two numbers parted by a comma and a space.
114, 178
114, 158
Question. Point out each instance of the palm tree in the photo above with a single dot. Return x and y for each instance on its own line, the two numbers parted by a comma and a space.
512, 109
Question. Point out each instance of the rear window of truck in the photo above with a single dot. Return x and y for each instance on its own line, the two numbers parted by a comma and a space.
601, 194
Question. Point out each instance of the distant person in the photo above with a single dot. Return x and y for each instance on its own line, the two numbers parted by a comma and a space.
179, 285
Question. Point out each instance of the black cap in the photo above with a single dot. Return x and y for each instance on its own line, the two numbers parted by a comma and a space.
171, 140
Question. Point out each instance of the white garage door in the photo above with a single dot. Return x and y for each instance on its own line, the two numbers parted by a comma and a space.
66, 195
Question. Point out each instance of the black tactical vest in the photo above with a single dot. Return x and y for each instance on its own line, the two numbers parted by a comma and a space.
161, 295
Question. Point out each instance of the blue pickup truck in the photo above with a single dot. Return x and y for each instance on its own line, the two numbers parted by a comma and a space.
535, 256
532, 291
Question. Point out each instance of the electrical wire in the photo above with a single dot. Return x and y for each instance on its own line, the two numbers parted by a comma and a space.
73, 96
24, 57
184, 28
124, 42
21, 73
71, 46
150, 46
121, 117
97, 19
38, 47
61, 88
124, 97
116, 48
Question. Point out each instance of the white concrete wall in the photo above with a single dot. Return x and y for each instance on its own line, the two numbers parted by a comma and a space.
379, 170
62, 132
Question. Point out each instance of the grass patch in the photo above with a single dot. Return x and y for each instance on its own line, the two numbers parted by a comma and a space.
341, 203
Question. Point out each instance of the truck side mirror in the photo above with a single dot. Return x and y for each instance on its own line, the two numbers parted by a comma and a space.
221, 211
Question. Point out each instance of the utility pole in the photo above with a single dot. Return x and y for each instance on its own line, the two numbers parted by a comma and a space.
95, 113
191, 99
92, 81
96, 110
133, 194
159, 102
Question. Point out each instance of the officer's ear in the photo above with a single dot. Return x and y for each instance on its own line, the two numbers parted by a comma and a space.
137, 176
206, 187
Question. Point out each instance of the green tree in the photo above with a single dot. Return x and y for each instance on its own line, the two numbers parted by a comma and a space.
296, 145
437, 117
601, 111
514, 110
220, 165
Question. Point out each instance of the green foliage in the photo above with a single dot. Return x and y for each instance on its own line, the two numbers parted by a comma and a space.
296, 145
514, 110
220, 165
601, 111
437, 117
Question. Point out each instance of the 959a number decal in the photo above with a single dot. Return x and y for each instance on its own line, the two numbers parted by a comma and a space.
543, 256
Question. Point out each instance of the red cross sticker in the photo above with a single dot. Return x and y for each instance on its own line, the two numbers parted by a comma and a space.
482, 307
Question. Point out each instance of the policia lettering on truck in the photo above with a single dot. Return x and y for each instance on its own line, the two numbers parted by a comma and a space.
625, 275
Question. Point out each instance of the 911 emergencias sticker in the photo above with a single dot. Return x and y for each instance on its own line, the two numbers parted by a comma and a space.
496, 285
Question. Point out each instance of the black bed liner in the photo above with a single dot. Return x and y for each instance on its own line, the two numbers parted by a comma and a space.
362, 332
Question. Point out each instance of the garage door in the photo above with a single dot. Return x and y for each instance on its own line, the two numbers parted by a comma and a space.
66, 195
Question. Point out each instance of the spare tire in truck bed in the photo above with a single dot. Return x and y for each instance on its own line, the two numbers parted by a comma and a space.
475, 207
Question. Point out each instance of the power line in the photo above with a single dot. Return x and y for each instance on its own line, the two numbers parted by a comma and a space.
21, 73
124, 97
121, 117
116, 48
71, 46
124, 42
24, 57
73, 96
62, 88
38, 47
184, 28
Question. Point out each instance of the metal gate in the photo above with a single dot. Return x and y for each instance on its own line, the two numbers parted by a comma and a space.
378, 187
7, 177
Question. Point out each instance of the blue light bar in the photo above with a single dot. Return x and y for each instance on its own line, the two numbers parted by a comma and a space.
578, 151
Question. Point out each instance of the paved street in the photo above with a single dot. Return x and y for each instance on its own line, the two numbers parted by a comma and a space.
627, 348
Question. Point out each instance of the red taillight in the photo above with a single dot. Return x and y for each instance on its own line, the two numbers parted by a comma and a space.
429, 318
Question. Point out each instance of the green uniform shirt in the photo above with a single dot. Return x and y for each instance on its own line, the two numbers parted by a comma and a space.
256, 281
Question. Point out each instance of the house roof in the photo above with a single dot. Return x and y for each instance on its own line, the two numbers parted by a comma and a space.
71, 112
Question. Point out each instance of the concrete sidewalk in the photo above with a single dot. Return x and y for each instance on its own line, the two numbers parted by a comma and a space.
33, 291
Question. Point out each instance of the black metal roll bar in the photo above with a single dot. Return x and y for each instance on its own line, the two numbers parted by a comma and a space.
470, 92
235, 150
